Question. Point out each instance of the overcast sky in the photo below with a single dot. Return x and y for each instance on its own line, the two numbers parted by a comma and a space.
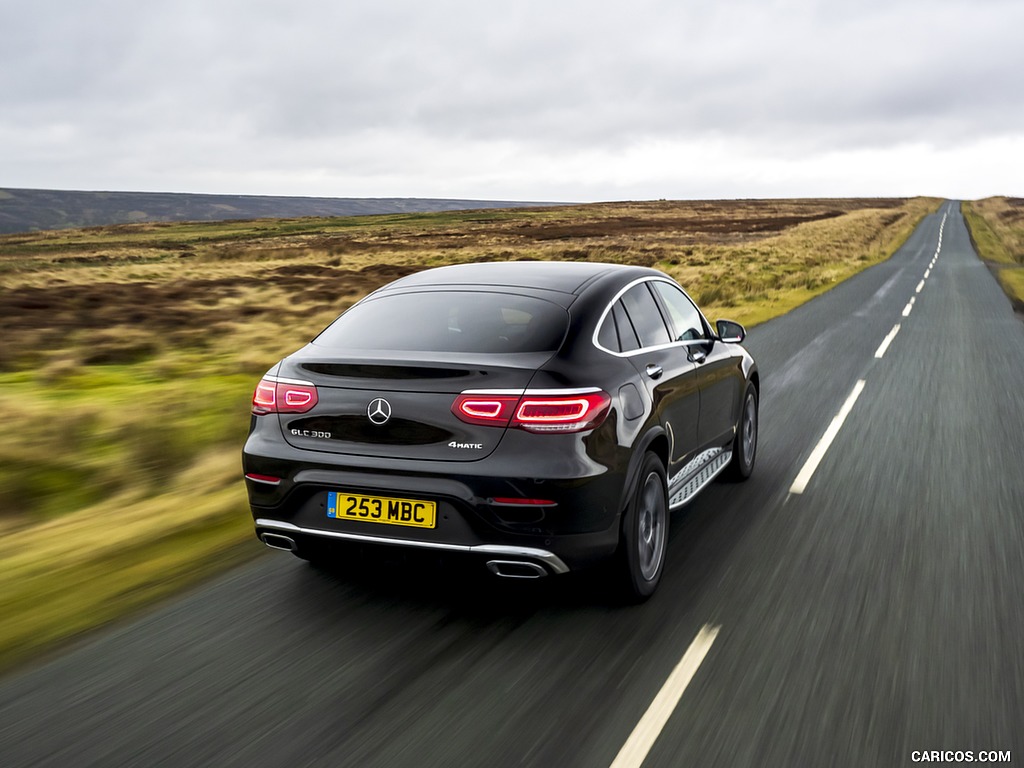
543, 100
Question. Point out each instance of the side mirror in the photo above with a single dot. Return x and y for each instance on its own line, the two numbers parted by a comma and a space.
730, 332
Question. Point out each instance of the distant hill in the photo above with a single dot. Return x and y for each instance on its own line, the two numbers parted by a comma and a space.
28, 210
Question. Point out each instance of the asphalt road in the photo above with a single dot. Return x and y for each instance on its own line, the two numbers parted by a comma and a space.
877, 613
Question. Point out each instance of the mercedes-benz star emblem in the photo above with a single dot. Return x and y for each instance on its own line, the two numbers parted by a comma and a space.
379, 410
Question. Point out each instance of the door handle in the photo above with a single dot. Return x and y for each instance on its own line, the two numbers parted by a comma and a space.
698, 355
654, 371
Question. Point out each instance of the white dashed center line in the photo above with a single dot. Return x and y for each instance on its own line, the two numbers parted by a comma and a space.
826, 440
892, 335
919, 287
649, 728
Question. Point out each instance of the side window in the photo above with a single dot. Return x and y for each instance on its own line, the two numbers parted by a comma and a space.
608, 335
627, 336
686, 320
645, 315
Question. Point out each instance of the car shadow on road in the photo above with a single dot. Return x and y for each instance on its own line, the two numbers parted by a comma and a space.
701, 538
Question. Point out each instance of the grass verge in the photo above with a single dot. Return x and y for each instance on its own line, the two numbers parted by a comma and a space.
79, 571
996, 225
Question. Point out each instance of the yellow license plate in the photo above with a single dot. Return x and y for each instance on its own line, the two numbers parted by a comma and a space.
377, 509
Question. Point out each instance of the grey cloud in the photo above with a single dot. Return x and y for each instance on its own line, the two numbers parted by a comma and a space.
275, 85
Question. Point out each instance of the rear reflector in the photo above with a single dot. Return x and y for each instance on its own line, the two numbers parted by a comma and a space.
275, 395
268, 479
508, 501
547, 412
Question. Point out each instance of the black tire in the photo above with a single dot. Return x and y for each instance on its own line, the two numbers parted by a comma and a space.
744, 445
645, 533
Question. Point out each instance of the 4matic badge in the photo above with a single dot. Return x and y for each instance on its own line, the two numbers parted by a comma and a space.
473, 446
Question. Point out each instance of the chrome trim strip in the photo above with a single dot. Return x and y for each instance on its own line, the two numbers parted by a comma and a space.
551, 560
512, 392
643, 350
283, 380
533, 391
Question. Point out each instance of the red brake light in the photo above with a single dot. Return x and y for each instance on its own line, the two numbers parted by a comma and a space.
283, 396
541, 412
485, 409
562, 413
264, 399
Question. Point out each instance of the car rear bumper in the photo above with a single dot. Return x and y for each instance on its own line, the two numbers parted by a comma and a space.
557, 508
275, 533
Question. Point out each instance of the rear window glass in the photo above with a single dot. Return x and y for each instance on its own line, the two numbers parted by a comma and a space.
449, 321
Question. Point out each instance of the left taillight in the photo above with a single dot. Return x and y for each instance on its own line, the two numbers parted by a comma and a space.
275, 395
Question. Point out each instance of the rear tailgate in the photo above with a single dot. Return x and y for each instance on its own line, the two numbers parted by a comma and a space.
400, 406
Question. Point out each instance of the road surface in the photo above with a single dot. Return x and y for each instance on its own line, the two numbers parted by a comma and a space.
859, 601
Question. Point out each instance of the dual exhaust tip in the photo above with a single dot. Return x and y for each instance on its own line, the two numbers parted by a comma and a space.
277, 541
516, 569
506, 569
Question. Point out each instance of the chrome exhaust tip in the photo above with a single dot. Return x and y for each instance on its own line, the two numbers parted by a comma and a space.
277, 541
516, 569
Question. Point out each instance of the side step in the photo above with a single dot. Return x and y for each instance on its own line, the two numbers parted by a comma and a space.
712, 465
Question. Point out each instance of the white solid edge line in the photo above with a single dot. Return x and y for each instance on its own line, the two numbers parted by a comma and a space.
826, 440
651, 724
892, 335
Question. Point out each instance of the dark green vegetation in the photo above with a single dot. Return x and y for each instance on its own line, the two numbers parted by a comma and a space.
129, 355
29, 210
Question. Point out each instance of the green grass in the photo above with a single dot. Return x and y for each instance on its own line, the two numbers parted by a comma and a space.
81, 570
986, 241
71, 439
120, 481
1012, 280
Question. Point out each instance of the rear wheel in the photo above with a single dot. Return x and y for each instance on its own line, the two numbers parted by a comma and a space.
744, 445
645, 532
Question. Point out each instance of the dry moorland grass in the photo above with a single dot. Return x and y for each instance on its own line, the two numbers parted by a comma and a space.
121, 294
129, 355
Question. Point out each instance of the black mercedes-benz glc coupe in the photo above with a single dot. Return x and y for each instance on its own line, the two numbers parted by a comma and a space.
539, 416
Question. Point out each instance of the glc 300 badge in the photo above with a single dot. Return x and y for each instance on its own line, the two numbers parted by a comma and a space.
379, 411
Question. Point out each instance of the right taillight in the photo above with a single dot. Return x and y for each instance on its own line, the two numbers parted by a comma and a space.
547, 411
275, 395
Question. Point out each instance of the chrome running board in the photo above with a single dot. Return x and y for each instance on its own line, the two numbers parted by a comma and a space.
700, 471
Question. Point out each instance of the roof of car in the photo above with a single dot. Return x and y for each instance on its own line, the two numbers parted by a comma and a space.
563, 276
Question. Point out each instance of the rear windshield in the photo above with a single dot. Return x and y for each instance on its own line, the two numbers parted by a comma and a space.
449, 321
